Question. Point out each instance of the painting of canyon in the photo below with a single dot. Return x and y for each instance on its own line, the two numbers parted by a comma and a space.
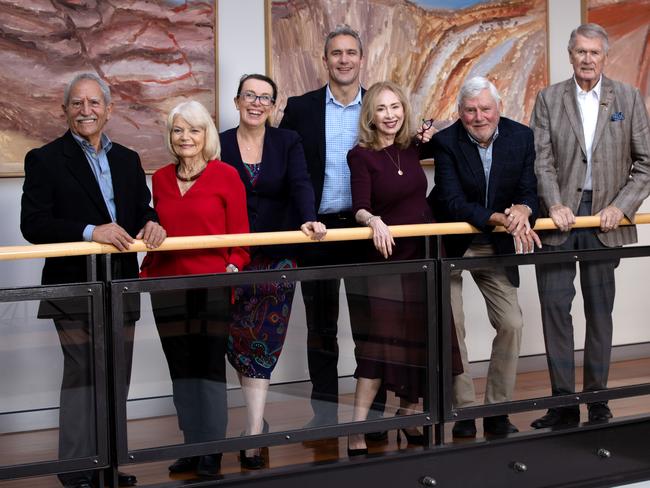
153, 54
628, 26
427, 46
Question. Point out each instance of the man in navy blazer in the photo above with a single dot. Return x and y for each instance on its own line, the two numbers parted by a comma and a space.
83, 186
484, 175
327, 120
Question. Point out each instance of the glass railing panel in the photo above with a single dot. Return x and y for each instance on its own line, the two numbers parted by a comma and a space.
583, 333
52, 381
232, 361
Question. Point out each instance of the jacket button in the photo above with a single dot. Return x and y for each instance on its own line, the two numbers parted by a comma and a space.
579, 189
584, 160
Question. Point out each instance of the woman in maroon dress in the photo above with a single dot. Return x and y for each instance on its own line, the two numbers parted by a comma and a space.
389, 188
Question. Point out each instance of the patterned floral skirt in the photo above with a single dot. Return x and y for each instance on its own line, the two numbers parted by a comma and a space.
260, 318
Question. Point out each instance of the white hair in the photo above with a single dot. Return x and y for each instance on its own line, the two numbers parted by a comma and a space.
472, 87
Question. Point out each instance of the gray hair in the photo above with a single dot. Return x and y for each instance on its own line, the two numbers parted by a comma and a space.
343, 30
475, 85
590, 31
103, 86
196, 115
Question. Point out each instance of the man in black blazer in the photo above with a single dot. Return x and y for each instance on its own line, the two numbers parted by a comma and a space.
485, 176
327, 120
82, 186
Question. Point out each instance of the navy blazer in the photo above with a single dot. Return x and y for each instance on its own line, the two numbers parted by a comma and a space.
460, 188
306, 115
283, 197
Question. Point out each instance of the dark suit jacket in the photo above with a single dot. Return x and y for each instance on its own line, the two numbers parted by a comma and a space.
460, 188
283, 197
306, 115
61, 196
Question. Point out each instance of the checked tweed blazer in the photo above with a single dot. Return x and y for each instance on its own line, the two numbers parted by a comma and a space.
620, 154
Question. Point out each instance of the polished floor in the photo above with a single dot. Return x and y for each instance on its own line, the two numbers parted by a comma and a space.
41, 445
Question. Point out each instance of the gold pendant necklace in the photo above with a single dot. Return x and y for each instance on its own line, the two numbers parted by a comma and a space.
397, 164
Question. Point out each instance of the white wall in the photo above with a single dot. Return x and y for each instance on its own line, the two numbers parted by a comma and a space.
241, 44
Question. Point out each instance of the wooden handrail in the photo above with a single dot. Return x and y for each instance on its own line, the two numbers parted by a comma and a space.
8, 253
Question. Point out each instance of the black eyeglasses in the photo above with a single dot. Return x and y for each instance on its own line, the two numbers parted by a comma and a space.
426, 125
250, 97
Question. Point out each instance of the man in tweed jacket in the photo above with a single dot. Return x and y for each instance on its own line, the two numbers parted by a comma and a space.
592, 141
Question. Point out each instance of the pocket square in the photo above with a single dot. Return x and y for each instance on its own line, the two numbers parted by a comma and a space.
616, 116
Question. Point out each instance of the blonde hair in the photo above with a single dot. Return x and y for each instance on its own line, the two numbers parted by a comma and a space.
368, 136
196, 115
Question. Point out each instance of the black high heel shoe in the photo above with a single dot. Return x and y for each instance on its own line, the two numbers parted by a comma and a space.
253, 462
415, 439
357, 452
256, 461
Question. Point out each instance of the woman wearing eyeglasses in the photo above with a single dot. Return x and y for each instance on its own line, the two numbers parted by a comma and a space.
272, 166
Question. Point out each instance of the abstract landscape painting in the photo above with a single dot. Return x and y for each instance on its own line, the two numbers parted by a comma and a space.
153, 54
428, 46
628, 26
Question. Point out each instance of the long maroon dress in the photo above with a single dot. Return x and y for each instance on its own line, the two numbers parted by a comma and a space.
396, 348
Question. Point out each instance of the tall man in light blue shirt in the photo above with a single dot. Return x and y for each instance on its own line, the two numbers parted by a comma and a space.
327, 119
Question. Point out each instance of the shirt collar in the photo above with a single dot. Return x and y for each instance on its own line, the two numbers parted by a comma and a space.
595, 90
329, 97
494, 136
105, 142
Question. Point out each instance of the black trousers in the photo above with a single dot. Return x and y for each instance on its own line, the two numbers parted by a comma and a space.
193, 329
322, 311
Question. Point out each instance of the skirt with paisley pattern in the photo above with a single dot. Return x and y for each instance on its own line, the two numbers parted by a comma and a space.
260, 318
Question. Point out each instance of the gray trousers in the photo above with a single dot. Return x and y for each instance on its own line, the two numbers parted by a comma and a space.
555, 283
77, 421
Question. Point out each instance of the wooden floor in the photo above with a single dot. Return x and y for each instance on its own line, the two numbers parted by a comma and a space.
41, 445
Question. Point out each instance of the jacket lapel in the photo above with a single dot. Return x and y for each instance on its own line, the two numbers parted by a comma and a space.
119, 185
472, 158
604, 108
500, 158
319, 123
571, 109
80, 169
239, 164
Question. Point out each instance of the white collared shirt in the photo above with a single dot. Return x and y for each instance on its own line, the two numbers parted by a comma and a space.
588, 103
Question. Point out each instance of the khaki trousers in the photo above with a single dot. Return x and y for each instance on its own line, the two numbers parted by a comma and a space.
505, 316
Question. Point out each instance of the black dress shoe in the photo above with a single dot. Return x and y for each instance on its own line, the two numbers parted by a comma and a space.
464, 429
184, 465
253, 462
126, 479
380, 436
78, 483
498, 425
599, 412
558, 417
209, 465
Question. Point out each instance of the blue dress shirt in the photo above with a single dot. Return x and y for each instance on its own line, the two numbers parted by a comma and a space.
341, 131
99, 165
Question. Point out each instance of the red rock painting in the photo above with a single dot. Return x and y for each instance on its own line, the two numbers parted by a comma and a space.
429, 51
628, 26
153, 54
